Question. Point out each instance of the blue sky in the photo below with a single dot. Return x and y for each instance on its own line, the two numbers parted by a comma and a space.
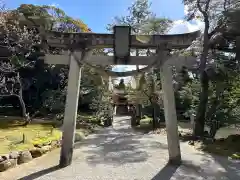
98, 13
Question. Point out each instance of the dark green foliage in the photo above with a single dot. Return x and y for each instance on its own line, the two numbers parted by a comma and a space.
43, 86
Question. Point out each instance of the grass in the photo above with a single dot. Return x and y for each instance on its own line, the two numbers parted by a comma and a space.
146, 119
224, 144
14, 137
145, 125
227, 140
87, 118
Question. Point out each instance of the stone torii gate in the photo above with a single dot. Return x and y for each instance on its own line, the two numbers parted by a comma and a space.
78, 51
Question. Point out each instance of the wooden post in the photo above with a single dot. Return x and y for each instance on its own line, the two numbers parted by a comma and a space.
170, 114
238, 47
192, 120
110, 107
70, 114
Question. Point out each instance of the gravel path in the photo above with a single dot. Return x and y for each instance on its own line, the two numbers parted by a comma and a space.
118, 153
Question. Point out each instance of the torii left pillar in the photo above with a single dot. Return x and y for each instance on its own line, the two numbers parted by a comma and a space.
70, 114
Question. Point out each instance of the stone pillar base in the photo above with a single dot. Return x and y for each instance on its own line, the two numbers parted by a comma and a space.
175, 161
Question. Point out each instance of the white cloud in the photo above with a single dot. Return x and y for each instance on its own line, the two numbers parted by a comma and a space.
179, 27
54, 5
182, 26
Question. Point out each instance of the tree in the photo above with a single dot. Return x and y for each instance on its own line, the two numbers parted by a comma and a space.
222, 107
20, 42
211, 14
157, 25
23, 44
101, 102
221, 68
138, 15
53, 16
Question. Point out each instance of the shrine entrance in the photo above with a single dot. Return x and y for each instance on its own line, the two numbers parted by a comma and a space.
77, 51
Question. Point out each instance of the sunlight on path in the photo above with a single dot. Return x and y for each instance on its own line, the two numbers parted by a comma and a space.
119, 153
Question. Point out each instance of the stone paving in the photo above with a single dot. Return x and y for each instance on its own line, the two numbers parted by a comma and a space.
119, 153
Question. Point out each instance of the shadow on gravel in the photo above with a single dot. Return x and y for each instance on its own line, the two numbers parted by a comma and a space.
187, 170
231, 167
119, 146
40, 173
226, 170
166, 173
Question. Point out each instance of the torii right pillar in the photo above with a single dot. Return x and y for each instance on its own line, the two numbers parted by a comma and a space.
170, 114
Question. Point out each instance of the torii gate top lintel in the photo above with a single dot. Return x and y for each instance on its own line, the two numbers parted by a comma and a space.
99, 40
121, 41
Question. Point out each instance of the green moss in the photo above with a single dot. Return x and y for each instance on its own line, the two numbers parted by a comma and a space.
54, 136
236, 156
145, 119
14, 137
21, 147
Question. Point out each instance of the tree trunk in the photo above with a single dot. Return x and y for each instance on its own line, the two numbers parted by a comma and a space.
138, 113
213, 128
139, 106
201, 111
22, 104
133, 116
25, 115
214, 123
203, 97
154, 115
